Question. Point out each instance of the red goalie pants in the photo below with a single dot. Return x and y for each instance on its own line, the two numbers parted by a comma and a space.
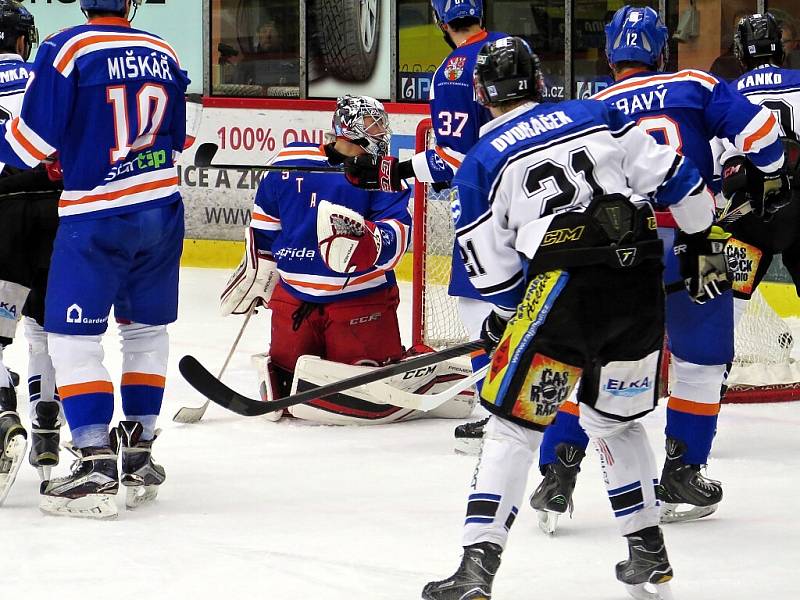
349, 331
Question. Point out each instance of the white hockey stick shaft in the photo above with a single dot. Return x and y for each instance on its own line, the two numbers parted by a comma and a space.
191, 414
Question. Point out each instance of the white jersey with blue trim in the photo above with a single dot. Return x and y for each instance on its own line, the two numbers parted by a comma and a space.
14, 74
776, 89
540, 160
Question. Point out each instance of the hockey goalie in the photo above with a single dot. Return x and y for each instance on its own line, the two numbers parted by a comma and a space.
320, 254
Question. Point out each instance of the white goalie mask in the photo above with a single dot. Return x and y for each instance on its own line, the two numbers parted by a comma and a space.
363, 121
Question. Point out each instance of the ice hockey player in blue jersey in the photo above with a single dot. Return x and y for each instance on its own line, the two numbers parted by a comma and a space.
572, 265
768, 230
684, 110
29, 214
109, 99
321, 254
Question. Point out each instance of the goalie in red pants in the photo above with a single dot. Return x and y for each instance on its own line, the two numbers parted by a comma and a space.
320, 254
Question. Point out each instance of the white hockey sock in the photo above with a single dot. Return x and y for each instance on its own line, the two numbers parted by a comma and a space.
41, 374
498, 485
629, 469
5, 377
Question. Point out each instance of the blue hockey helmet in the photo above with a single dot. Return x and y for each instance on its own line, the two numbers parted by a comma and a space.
446, 11
637, 34
15, 21
107, 5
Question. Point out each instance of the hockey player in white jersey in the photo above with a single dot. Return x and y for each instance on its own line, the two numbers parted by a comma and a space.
573, 267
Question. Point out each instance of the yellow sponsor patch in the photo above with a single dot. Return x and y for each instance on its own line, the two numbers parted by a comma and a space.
547, 385
743, 261
520, 330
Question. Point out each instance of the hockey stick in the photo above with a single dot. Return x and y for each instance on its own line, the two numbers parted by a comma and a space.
394, 396
216, 391
206, 152
191, 414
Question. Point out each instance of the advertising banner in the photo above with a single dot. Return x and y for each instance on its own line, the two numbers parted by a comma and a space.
218, 201
180, 22
349, 48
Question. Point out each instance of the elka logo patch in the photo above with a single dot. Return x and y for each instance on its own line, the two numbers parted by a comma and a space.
455, 67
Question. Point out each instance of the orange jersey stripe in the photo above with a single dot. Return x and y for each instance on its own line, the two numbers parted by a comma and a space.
108, 37
144, 379
655, 78
693, 408
447, 158
23, 141
299, 152
333, 288
134, 189
267, 218
90, 387
570, 408
762, 132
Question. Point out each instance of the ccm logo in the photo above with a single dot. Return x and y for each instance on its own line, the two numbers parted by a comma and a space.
419, 373
365, 319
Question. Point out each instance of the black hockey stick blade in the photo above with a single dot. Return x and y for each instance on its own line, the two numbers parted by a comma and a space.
212, 388
206, 152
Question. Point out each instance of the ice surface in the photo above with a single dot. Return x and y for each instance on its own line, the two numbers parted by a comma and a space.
288, 511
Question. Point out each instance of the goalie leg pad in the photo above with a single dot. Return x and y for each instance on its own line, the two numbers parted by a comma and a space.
268, 388
629, 469
12, 299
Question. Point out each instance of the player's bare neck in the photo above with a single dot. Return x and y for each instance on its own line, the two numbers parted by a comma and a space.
464, 36
620, 74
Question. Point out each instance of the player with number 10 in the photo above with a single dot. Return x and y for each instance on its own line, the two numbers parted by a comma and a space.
110, 101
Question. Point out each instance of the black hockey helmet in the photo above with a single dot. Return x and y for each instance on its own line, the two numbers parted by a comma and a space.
507, 69
758, 39
15, 21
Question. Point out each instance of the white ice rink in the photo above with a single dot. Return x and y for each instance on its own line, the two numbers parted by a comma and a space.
256, 510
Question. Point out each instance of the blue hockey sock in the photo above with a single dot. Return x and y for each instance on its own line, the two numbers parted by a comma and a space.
565, 429
88, 408
693, 423
142, 394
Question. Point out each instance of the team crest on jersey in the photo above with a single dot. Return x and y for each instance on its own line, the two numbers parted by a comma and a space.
455, 67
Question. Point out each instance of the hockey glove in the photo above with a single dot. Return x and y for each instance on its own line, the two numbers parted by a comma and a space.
347, 242
492, 330
703, 263
383, 173
742, 182
251, 282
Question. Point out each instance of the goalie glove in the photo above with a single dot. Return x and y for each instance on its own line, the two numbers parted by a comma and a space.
372, 172
347, 242
703, 263
252, 282
742, 182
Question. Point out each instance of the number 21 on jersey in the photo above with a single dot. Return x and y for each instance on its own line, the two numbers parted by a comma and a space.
151, 106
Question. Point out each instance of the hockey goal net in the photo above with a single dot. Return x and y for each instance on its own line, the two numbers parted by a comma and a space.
765, 368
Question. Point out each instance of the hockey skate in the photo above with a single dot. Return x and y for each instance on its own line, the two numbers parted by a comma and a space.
553, 497
88, 491
140, 475
683, 484
646, 572
14, 441
469, 437
45, 438
472, 580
